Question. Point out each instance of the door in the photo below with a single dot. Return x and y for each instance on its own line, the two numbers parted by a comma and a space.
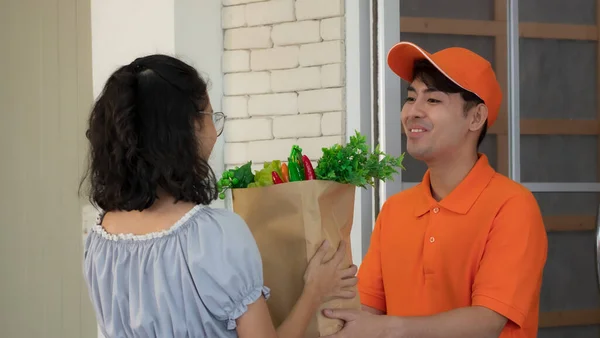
45, 96
550, 144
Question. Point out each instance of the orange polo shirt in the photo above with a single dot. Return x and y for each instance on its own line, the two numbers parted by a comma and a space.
484, 244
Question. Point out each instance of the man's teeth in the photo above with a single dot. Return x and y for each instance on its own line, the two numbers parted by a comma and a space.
417, 130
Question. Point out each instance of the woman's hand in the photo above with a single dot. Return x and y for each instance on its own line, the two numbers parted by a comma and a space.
327, 279
323, 279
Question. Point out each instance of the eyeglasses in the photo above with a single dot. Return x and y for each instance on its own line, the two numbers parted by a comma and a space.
218, 120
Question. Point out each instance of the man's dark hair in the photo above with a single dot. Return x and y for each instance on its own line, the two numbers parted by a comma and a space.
432, 77
142, 136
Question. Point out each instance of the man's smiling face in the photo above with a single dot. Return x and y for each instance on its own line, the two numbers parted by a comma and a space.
434, 122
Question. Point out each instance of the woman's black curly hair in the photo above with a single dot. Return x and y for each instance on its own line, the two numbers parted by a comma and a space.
142, 136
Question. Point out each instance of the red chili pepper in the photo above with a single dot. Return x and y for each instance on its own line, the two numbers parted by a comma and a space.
309, 172
276, 178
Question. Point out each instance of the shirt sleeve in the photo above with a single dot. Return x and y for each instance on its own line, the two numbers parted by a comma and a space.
226, 265
510, 274
370, 280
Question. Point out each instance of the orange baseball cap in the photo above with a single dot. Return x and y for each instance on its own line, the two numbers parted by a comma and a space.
465, 68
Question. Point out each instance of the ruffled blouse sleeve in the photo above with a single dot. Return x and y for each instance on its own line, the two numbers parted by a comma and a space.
226, 265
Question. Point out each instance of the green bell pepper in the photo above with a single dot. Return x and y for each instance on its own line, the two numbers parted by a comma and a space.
295, 165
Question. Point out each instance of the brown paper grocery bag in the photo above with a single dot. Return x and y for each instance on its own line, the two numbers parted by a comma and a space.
289, 222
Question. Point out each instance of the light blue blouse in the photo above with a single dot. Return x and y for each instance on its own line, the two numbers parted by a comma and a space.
192, 280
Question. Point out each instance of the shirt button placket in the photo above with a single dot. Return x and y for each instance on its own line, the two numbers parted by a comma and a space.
429, 249
435, 211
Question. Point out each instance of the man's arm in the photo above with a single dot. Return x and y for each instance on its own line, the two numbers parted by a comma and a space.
467, 322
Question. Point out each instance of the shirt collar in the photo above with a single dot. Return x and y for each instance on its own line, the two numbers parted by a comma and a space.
462, 198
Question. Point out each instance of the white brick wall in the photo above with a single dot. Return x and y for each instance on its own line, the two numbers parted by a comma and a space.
322, 53
270, 12
332, 29
236, 61
294, 33
332, 75
273, 104
319, 9
284, 78
296, 79
275, 58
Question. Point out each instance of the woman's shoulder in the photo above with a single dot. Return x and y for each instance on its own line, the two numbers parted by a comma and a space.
222, 223
221, 215
223, 231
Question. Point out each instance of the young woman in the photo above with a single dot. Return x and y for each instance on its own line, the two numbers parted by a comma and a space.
160, 262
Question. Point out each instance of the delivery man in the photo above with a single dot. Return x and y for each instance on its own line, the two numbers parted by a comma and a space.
462, 253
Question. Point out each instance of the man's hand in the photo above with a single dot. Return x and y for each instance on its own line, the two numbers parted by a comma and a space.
466, 322
358, 324
372, 310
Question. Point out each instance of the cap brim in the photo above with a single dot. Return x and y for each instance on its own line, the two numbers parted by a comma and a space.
401, 59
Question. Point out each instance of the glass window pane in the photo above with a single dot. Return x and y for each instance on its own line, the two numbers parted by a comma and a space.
558, 79
558, 11
570, 282
559, 158
556, 203
455, 9
559, 107
570, 331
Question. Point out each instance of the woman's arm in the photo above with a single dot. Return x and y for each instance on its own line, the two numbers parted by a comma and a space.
297, 321
256, 322
322, 279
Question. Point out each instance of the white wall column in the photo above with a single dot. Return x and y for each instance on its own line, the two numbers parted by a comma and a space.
358, 107
199, 41
124, 30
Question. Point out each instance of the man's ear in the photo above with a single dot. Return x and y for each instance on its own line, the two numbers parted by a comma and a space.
478, 117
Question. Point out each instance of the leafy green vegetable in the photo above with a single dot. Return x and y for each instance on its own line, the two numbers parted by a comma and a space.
264, 177
354, 164
235, 178
244, 175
